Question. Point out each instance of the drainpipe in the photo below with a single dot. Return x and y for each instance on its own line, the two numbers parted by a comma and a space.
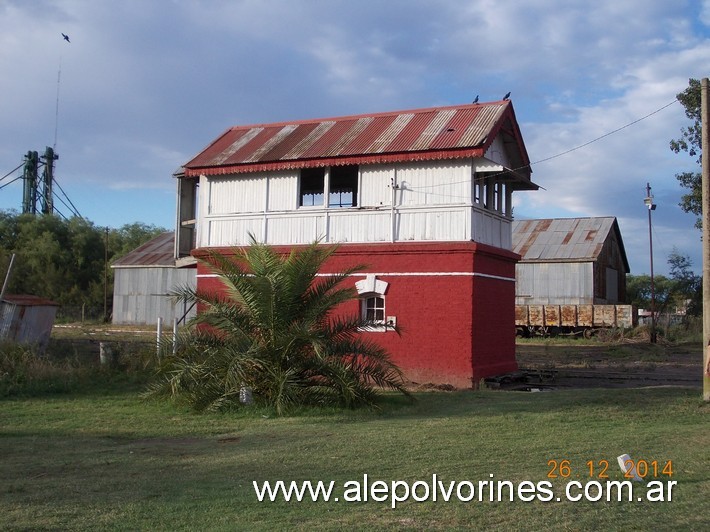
394, 186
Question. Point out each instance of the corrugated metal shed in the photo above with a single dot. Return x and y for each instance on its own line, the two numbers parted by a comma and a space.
416, 135
27, 319
144, 280
564, 239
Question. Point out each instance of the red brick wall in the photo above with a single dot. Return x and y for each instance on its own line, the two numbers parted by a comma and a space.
455, 313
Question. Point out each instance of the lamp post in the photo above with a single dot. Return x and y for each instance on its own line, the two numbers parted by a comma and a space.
648, 201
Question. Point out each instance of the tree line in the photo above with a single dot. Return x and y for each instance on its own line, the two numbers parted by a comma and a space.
65, 259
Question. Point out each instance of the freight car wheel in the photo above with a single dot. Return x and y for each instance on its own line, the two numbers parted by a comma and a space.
588, 333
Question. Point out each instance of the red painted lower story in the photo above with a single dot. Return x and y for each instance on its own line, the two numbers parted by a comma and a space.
453, 302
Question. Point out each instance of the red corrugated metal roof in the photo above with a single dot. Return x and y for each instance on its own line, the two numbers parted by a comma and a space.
420, 134
25, 300
159, 251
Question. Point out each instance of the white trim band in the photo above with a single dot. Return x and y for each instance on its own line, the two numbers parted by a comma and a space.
402, 274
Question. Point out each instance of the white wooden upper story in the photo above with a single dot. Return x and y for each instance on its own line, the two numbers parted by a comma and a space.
443, 174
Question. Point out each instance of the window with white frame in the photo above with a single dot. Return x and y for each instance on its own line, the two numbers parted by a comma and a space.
372, 303
335, 188
312, 187
343, 186
373, 310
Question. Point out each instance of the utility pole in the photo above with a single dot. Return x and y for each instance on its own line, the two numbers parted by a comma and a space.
29, 183
47, 179
705, 148
106, 276
648, 200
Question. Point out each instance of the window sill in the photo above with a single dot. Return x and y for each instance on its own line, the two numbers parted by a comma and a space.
380, 328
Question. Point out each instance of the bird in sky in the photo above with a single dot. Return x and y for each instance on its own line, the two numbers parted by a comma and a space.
506, 96
475, 100
66, 37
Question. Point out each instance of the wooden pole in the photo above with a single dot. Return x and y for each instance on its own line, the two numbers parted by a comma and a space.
705, 148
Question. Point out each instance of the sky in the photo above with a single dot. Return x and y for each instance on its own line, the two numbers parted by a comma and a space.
145, 85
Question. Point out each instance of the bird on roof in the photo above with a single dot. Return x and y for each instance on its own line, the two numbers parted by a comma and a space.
475, 100
66, 37
506, 96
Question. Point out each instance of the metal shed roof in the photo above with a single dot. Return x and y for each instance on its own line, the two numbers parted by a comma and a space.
24, 300
157, 252
416, 135
564, 239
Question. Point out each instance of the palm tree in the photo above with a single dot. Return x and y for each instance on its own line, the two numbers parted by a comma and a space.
273, 328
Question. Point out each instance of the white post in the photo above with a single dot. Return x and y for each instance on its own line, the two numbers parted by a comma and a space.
159, 334
175, 334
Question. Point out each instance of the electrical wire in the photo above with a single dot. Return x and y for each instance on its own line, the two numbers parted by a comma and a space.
10, 182
73, 208
561, 153
12, 171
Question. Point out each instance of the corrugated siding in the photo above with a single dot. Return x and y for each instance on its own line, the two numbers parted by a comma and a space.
445, 185
554, 283
243, 195
27, 324
141, 295
283, 192
375, 189
435, 183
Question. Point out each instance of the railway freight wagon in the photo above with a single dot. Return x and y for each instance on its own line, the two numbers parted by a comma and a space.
532, 320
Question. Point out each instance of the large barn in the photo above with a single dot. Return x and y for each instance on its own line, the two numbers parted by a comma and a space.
422, 197
570, 261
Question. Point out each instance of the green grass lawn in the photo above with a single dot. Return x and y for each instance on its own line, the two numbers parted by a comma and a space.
109, 460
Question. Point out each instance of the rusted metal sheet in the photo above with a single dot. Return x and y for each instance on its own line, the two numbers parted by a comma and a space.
521, 315
562, 238
604, 316
536, 315
552, 316
462, 131
585, 315
625, 316
159, 251
568, 315
27, 319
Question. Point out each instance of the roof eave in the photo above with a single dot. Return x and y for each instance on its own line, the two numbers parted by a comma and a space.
364, 159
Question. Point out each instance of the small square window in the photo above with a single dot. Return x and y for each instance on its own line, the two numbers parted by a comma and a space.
373, 310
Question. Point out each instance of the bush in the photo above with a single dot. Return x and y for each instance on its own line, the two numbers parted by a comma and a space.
23, 371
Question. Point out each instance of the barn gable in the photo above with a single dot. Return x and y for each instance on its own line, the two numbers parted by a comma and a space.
570, 261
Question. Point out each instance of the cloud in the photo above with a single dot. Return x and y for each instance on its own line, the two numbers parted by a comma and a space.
146, 85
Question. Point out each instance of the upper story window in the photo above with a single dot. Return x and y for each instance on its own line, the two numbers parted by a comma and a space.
312, 187
339, 185
343, 186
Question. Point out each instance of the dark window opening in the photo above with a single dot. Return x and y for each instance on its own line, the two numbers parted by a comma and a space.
312, 186
343, 186
373, 310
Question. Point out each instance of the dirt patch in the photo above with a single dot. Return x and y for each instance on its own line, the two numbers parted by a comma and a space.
615, 365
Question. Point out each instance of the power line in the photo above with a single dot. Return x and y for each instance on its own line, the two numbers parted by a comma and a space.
12, 172
74, 210
10, 182
604, 135
564, 152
